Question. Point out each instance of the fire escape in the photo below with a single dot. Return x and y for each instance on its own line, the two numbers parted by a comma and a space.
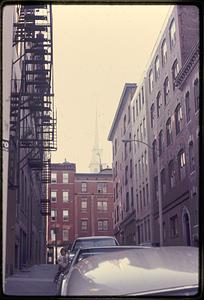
32, 119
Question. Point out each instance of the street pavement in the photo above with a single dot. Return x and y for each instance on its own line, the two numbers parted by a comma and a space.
36, 280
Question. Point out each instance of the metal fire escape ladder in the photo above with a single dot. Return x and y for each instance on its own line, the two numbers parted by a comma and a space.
32, 107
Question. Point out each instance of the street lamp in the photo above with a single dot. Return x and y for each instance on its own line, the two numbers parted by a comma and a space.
159, 188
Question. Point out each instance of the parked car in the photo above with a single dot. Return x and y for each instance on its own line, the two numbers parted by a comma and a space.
161, 271
91, 241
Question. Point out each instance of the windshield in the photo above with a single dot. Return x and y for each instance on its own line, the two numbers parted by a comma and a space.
94, 243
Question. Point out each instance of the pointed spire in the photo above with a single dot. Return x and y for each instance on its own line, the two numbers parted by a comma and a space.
95, 165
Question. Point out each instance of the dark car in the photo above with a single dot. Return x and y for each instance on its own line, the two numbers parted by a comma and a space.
91, 241
156, 271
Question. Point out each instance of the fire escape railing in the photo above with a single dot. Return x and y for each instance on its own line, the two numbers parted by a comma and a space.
32, 118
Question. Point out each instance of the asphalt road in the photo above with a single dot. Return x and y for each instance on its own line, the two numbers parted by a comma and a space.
35, 281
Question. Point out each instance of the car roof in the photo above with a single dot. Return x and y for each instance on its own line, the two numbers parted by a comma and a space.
95, 237
132, 271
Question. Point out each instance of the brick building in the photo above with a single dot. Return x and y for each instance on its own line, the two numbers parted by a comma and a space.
81, 205
165, 175
173, 126
124, 208
31, 136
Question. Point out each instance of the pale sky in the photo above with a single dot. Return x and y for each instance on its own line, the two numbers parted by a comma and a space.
97, 49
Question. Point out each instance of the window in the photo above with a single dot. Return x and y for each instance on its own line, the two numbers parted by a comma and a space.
136, 172
130, 143
178, 118
174, 226
147, 193
196, 94
83, 205
52, 235
156, 190
145, 160
169, 137
161, 142
126, 175
172, 174
53, 196
140, 105
142, 95
172, 33
152, 115
130, 168
132, 197
150, 81
125, 150
133, 113
65, 195
65, 177
166, 90
136, 104
157, 71
138, 144
101, 187
144, 127
139, 164
128, 113
117, 213
191, 157
154, 148
140, 199
142, 162
144, 197
124, 124
175, 71
127, 201
116, 146
102, 225
53, 177
182, 164
102, 205
116, 190
164, 52
65, 234
163, 182
65, 214
84, 187
84, 225
53, 215
141, 138
137, 202
188, 108
159, 104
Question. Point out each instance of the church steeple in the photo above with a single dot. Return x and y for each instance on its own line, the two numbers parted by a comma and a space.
95, 165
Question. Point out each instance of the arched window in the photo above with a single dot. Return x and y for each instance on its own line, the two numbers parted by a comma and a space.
178, 118
172, 33
191, 157
169, 137
172, 174
159, 104
182, 164
157, 71
188, 108
175, 71
154, 148
152, 115
161, 142
164, 52
196, 94
166, 90
150, 81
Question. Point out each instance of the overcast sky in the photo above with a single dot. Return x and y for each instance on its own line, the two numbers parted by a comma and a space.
97, 49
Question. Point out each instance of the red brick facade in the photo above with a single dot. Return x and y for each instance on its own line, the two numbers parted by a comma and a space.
81, 205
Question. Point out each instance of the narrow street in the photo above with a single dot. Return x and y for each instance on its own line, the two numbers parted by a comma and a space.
36, 280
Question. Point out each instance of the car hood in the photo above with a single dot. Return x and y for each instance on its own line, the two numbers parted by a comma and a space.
136, 271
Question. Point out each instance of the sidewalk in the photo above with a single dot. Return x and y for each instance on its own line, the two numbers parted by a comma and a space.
36, 280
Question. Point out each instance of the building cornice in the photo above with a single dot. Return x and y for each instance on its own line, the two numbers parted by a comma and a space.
187, 67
